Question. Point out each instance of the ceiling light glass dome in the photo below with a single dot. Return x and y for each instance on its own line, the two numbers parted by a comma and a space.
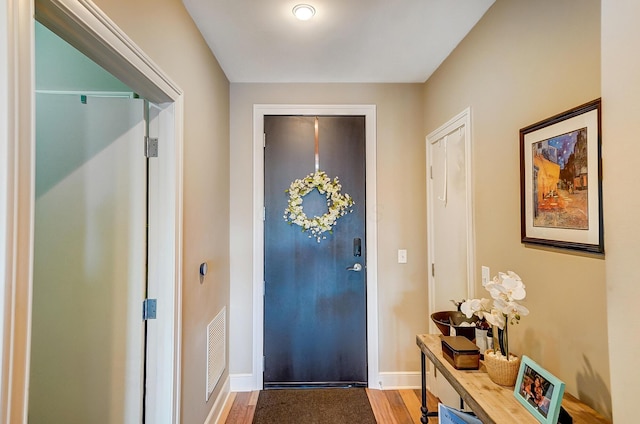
304, 12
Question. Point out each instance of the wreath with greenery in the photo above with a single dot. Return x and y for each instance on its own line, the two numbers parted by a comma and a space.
338, 204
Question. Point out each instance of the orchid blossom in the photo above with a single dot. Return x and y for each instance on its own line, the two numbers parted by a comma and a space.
506, 290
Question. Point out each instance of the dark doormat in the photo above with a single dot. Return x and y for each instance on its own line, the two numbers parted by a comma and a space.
321, 406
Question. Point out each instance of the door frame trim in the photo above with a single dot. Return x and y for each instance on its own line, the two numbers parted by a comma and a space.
369, 112
87, 28
463, 119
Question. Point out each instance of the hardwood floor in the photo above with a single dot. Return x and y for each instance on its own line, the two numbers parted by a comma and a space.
389, 406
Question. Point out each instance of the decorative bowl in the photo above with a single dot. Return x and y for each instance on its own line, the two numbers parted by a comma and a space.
444, 320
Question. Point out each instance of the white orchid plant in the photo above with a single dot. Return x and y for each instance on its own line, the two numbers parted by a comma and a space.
506, 290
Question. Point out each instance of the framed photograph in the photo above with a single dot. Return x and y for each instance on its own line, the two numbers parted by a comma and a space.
539, 391
561, 181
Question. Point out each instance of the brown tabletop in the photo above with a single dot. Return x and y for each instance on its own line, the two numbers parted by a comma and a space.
490, 402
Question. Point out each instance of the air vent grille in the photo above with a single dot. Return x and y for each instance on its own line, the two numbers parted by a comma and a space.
216, 348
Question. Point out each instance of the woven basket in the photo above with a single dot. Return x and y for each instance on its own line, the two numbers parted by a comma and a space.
500, 371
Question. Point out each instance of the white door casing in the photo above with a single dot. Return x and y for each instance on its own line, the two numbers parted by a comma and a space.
450, 227
87, 28
450, 213
259, 111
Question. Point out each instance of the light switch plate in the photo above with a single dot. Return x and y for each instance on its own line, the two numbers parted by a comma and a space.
402, 256
486, 275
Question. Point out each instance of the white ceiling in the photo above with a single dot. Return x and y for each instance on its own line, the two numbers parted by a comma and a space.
346, 41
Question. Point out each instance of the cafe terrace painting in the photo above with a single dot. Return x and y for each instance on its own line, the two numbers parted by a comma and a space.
560, 189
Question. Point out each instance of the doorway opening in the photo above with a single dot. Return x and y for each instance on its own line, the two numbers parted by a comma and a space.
450, 226
369, 113
91, 247
315, 287
87, 28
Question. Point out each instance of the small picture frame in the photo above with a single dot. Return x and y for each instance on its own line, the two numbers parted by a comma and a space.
539, 391
561, 181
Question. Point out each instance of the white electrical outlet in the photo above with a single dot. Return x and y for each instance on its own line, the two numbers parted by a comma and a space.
486, 275
402, 256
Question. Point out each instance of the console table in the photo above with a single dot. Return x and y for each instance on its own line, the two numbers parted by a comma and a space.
490, 402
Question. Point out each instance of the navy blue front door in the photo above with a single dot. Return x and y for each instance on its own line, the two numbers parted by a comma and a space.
314, 306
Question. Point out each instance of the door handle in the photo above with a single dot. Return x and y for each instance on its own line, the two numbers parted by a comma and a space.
356, 267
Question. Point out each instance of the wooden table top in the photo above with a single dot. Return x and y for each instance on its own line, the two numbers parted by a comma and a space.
491, 402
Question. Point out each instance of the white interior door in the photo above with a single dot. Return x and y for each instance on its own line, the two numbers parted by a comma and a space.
161, 350
449, 232
87, 342
450, 224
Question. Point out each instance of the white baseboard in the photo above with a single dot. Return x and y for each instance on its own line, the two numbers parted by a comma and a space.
218, 405
243, 383
397, 380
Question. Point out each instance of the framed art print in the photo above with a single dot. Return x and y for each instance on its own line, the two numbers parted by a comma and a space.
561, 181
539, 391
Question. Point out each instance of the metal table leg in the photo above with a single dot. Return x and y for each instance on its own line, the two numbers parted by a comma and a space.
424, 419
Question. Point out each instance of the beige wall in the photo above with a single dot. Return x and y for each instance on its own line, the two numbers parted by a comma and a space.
402, 289
526, 61
164, 30
621, 126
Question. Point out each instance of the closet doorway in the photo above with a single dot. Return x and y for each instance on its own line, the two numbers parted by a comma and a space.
450, 226
90, 242
87, 28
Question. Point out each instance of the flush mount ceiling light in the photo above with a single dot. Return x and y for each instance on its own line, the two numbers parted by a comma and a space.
304, 12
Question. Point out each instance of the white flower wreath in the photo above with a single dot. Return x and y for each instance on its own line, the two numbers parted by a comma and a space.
338, 204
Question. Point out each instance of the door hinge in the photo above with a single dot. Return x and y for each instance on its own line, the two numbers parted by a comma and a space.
264, 140
431, 172
264, 213
151, 147
433, 270
264, 361
149, 309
